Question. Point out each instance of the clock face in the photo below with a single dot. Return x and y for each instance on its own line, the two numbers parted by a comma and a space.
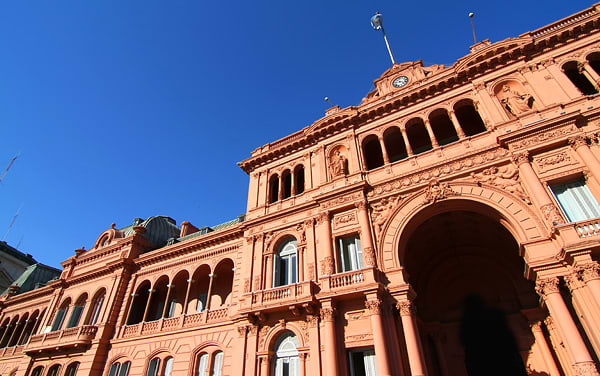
400, 81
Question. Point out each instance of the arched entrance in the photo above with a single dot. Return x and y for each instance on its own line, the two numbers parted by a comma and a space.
470, 293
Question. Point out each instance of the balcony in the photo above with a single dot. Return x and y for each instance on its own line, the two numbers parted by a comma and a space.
174, 323
348, 282
278, 297
11, 351
574, 233
80, 336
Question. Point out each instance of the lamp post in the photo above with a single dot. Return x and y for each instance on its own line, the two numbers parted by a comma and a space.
377, 23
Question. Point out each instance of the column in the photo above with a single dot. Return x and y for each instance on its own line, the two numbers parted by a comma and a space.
456, 124
324, 239
582, 361
581, 302
187, 296
280, 193
150, 292
264, 365
330, 339
434, 142
129, 308
411, 336
302, 357
5, 333
582, 69
366, 237
590, 272
301, 250
386, 158
536, 189
542, 344
579, 144
268, 271
381, 354
166, 305
406, 142
211, 277
588, 68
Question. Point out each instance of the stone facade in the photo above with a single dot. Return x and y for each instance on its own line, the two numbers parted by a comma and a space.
448, 225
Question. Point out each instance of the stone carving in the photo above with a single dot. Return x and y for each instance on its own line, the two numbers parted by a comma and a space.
253, 330
327, 266
257, 282
437, 191
383, 210
577, 141
322, 217
262, 336
337, 164
520, 158
369, 256
506, 179
515, 102
344, 220
300, 230
327, 314
247, 285
552, 214
268, 239
554, 159
342, 200
311, 271
242, 330
544, 136
572, 281
406, 308
309, 223
590, 271
585, 369
546, 286
374, 306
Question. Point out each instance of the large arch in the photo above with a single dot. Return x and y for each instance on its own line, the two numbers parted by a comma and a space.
512, 212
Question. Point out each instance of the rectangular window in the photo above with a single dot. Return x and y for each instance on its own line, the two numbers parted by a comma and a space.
201, 304
350, 253
362, 362
576, 200
58, 319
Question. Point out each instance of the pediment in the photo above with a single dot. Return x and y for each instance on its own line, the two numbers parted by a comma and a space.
333, 117
488, 52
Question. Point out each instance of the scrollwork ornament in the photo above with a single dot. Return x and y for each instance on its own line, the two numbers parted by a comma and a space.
327, 314
360, 205
309, 223
437, 191
585, 369
322, 217
552, 214
242, 330
327, 266
590, 271
374, 306
369, 256
406, 308
546, 286
520, 158
577, 141
572, 281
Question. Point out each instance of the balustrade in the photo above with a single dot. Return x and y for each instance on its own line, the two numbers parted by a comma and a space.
77, 336
278, 297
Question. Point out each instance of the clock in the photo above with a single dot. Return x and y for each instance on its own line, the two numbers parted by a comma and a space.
400, 81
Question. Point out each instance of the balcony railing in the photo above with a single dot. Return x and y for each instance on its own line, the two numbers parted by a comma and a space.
588, 228
174, 323
10, 351
301, 292
71, 337
352, 280
574, 232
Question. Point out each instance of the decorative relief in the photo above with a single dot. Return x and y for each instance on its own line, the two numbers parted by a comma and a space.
585, 369
253, 330
327, 314
309, 223
322, 217
338, 163
311, 271
344, 219
437, 191
449, 167
549, 161
247, 285
514, 101
520, 158
358, 337
369, 256
354, 315
257, 282
577, 141
382, 211
572, 281
242, 330
312, 321
262, 336
406, 308
341, 200
327, 266
546, 286
506, 178
590, 271
542, 137
552, 214
374, 306
301, 232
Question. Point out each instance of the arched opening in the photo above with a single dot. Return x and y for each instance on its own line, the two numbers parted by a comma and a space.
202, 364
273, 188
29, 327
168, 366
37, 371
157, 299
72, 369
59, 316
442, 127
177, 294
372, 152
299, 177
217, 363
138, 305
468, 117
38, 323
594, 61
199, 291
286, 181
418, 138
3, 330
285, 265
94, 311
76, 311
53, 371
19, 331
576, 76
119, 369
286, 361
10, 330
222, 285
394, 144
470, 290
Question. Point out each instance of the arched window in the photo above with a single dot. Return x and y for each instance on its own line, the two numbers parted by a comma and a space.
285, 264
94, 313
217, 363
394, 144
59, 317
594, 61
138, 304
299, 177
273, 188
118, 369
286, 360
417, 135
168, 366
442, 127
153, 367
76, 312
372, 152
203, 364
72, 369
468, 117
286, 178
577, 77
37, 371
53, 371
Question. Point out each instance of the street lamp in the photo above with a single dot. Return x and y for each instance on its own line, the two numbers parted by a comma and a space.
377, 23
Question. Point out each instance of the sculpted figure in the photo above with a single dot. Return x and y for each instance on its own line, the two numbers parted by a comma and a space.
383, 210
514, 101
506, 179
337, 164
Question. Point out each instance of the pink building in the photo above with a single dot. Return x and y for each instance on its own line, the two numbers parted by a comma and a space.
449, 225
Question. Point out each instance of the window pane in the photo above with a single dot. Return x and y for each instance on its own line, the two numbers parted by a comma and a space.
125, 369
37, 371
72, 369
171, 310
75, 316
114, 369
576, 201
153, 367
202, 364
168, 367
58, 319
217, 364
97, 307
293, 269
201, 305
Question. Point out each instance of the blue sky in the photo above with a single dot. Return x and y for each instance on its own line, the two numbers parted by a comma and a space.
124, 109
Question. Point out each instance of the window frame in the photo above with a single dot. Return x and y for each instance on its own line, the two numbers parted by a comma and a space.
349, 260
285, 264
584, 191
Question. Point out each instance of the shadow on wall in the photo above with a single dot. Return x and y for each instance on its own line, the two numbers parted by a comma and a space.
490, 347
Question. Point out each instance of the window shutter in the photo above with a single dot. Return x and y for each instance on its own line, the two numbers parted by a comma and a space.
153, 367
276, 271
202, 364
359, 254
168, 367
114, 369
124, 369
218, 364
370, 364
